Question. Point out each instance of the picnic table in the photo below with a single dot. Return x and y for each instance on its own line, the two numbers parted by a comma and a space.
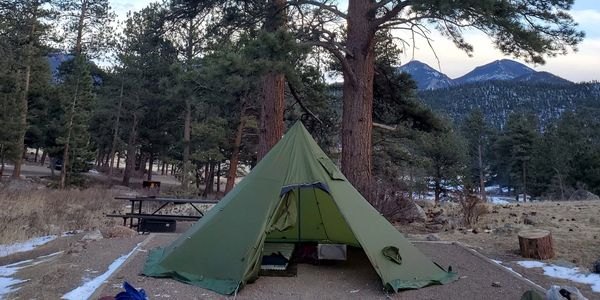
138, 212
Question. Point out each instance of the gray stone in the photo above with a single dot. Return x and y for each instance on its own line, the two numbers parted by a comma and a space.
432, 237
529, 220
580, 195
95, 235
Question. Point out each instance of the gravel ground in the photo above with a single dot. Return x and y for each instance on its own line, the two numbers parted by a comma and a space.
354, 278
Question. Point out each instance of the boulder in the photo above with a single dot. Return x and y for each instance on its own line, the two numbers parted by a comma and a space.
580, 195
93, 236
529, 220
432, 237
408, 212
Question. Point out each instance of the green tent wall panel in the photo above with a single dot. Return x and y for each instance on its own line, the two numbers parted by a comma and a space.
222, 251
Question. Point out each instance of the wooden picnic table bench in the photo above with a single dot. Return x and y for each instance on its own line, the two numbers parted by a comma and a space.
155, 215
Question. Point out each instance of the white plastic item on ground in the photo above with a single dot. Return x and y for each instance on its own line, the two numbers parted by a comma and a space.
86, 290
28, 245
572, 274
554, 293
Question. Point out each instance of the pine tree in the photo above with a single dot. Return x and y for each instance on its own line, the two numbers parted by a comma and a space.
475, 130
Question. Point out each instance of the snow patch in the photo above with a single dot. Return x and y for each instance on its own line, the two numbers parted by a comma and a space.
8, 283
498, 200
89, 287
6, 250
572, 274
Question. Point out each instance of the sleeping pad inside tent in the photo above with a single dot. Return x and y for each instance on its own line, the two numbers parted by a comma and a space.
294, 194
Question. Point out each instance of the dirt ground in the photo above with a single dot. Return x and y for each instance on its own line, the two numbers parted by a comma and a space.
71, 261
354, 279
575, 228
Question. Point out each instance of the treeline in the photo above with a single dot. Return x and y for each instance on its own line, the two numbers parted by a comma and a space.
203, 87
498, 99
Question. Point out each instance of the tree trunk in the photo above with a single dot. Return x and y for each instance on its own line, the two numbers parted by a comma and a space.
80, 25
115, 139
37, 152
130, 160
186, 144
118, 160
358, 98
524, 182
43, 159
273, 88
151, 163
219, 177
271, 113
438, 191
23, 105
65, 162
536, 244
481, 175
235, 155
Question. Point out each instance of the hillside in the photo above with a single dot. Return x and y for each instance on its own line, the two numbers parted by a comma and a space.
498, 99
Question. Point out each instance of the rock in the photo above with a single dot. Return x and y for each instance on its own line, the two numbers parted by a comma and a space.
435, 227
432, 237
529, 220
581, 194
95, 235
596, 267
496, 284
409, 212
564, 292
507, 229
118, 231
475, 231
570, 229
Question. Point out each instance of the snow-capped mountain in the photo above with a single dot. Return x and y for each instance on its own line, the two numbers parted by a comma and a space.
427, 78
542, 77
504, 69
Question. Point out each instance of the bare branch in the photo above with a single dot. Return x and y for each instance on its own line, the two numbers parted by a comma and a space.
323, 5
299, 100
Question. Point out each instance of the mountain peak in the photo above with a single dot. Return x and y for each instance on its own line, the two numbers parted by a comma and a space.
426, 77
503, 69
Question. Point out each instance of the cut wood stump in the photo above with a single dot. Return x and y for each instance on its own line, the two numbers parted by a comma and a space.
536, 243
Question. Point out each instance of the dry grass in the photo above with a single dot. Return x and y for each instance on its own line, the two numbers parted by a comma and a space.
575, 228
26, 213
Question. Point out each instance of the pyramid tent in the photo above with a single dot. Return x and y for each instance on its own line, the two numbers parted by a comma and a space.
295, 194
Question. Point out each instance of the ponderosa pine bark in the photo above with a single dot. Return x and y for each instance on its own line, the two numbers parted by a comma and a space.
358, 98
235, 155
272, 106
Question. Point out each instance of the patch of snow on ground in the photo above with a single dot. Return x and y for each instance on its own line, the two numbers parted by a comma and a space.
28, 245
90, 286
8, 283
531, 264
572, 274
498, 200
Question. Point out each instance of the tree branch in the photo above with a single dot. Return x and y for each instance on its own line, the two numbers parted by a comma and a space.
323, 5
299, 100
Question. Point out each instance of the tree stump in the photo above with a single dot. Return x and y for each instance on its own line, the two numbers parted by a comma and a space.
536, 244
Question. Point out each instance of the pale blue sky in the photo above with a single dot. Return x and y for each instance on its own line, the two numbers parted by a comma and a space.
581, 66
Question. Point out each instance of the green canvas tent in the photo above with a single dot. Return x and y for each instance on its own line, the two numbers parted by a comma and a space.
294, 194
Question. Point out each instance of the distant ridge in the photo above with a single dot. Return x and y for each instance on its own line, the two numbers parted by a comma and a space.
428, 78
